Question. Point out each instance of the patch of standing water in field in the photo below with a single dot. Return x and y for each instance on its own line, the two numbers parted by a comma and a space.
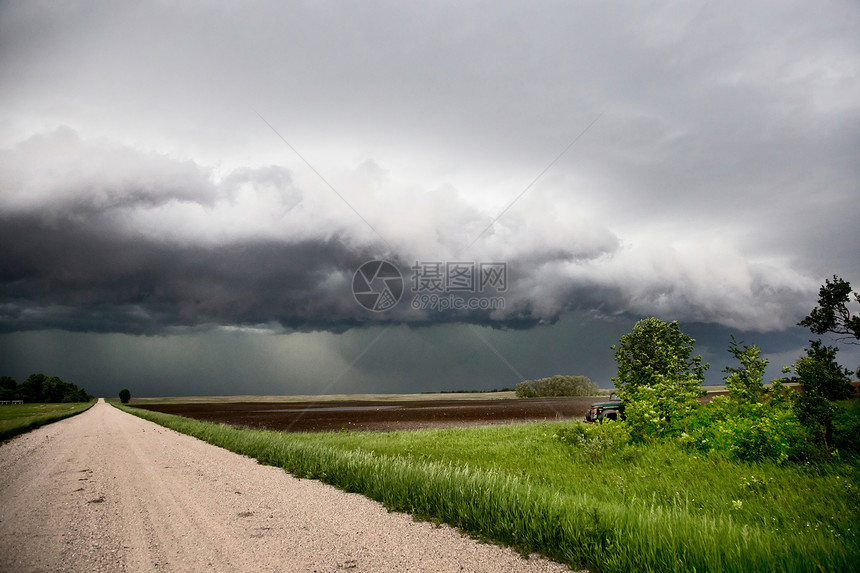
331, 409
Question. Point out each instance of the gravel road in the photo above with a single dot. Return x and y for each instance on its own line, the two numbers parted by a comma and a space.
106, 491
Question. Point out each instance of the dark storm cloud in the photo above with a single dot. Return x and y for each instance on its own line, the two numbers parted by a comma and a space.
83, 274
101, 237
68, 274
79, 274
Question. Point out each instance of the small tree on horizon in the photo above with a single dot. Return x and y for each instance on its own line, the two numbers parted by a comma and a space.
124, 396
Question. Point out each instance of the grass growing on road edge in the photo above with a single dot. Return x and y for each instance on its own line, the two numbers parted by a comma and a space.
653, 508
21, 418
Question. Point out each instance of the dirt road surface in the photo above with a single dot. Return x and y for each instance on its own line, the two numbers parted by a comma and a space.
106, 491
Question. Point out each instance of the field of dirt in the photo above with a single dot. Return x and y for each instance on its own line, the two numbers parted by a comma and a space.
380, 416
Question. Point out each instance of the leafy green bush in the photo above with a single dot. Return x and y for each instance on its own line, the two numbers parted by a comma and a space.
749, 431
846, 426
642, 414
822, 380
557, 386
662, 409
595, 441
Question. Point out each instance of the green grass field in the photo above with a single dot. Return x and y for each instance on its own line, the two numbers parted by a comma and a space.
20, 418
642, 508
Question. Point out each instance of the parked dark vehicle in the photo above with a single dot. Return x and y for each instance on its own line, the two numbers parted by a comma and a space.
611, 410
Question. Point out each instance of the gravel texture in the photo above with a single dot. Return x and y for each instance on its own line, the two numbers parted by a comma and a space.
106, 491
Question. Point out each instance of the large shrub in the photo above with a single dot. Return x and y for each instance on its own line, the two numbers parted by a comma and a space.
846, 426
822, 380
557, 386
594, 442
749, 431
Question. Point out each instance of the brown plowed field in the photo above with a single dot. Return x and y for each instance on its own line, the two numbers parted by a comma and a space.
381, 416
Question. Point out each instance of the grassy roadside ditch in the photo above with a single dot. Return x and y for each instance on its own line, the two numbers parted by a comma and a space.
654, 508
21, 418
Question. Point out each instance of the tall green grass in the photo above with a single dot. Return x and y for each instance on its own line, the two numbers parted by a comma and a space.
644, 508
21, 418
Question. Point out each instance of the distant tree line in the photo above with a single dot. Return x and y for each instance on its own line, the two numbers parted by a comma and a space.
41, 388
557, 386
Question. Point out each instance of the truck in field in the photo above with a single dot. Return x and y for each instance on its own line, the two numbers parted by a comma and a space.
610, 410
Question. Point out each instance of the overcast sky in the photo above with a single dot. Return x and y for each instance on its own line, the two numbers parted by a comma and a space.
187, 189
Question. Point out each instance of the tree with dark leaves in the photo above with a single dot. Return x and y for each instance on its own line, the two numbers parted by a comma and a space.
41, 388
819, 373
8, 385
832, 313
822, 381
